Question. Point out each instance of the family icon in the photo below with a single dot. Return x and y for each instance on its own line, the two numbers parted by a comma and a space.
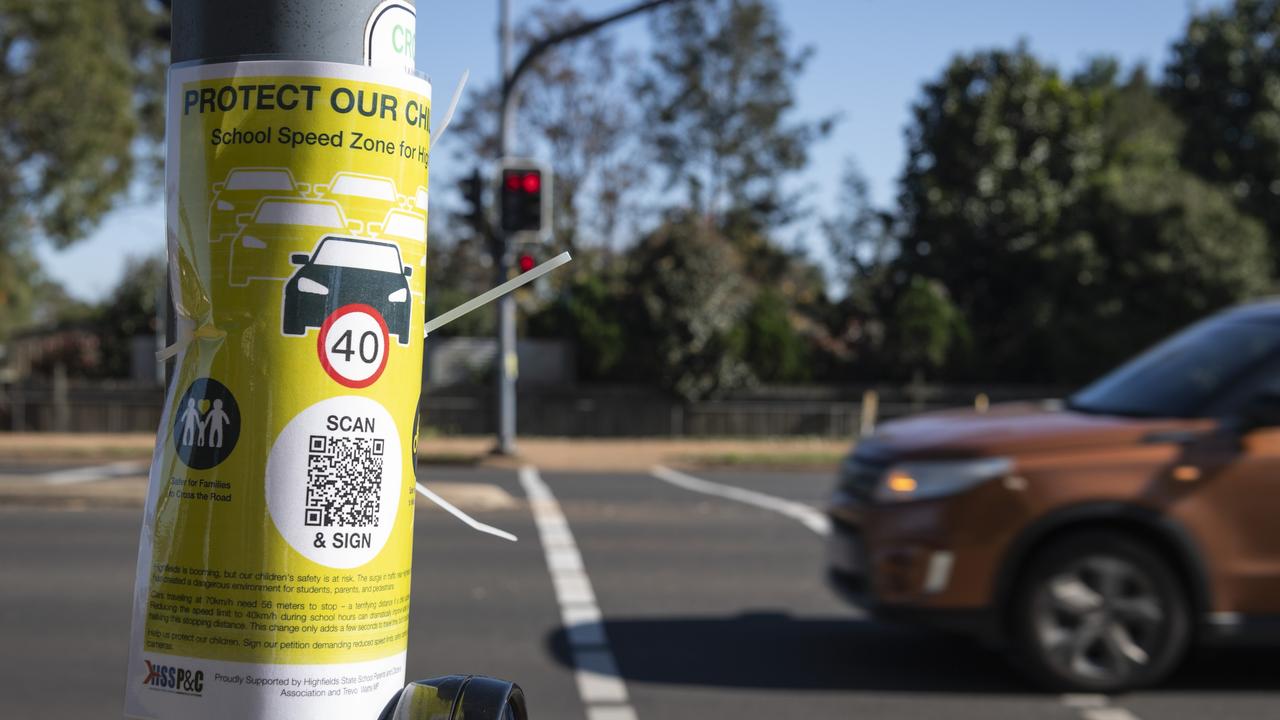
206, 424
194, 424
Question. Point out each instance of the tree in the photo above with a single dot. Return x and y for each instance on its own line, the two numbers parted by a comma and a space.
1170, 246
1055, 213
1000, 148
1224, 82
718, 102
863, 242
82, 87
130, 311
692, 300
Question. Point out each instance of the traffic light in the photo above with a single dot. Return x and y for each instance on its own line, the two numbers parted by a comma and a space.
525, 261
472, 188
524, 195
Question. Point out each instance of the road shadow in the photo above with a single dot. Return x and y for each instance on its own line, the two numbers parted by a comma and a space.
776, 650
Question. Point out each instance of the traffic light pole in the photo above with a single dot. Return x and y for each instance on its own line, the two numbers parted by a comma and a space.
508, 364
507, 359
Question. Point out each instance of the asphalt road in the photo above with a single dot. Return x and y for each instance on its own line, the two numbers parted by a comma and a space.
712, 608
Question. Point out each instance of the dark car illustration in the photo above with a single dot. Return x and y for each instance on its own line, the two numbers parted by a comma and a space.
343, 271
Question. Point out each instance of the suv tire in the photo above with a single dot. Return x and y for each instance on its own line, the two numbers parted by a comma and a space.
1099, 611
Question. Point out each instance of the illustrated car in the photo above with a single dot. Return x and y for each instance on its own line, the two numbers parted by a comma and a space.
417, 201
278, 228
366, 198
345, 271
408, 230
1095, 540
241, 192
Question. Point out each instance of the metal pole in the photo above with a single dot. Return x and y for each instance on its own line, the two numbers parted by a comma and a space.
313, 30
507, 360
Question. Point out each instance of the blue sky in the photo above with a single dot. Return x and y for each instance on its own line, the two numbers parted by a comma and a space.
871, 57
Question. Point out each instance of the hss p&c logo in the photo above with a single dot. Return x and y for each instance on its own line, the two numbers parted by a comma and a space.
174, 679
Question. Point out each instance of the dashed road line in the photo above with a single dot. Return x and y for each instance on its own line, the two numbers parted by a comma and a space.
600, 685
808, 516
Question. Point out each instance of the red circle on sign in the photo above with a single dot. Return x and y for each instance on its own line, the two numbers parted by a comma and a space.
324, 336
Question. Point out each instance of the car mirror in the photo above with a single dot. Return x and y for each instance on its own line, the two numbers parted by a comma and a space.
302, 188
217, 187
408, 271
455, 697
355, 226
320, 189
375, 228
244, 219
299, 258
1263, 411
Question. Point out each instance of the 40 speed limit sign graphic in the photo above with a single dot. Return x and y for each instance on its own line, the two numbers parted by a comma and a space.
353, 345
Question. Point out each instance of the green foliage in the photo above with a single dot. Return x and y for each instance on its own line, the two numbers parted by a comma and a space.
590, 310
1056, 214
924, 327
718, 99
128, 312
692, 299
773, 349
81, 84
1224, 82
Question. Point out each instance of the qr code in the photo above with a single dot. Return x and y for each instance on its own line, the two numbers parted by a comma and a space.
344, 481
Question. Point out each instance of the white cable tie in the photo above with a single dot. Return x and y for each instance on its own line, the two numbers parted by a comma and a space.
484, 299
453, 105
470, 521
185, 336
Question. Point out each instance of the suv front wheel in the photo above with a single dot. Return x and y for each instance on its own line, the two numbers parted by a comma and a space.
1099, 611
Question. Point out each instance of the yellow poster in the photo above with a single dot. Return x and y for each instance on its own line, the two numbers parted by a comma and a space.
273, 572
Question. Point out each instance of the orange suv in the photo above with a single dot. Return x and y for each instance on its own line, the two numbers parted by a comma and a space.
1096, 539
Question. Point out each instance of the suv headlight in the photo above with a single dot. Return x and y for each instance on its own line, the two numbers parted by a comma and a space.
927, 480
398, 296
307, 285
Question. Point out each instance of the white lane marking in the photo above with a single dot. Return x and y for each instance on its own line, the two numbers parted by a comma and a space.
1096, 707
806, 515
600, 685
78, 475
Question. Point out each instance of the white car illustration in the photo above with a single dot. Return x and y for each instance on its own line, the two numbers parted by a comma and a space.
278, 228
364, 197
241, 192
409, 231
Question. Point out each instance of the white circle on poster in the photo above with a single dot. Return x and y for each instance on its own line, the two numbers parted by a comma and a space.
333, 481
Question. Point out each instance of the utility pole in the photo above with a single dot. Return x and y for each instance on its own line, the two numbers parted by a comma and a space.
507, 358
508, 364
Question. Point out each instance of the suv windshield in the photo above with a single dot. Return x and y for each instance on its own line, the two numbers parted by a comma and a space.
359, 255
1181, 375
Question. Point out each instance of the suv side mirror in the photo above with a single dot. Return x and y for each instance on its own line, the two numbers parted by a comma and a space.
408, 271
299, 258
458, 697
1263, 411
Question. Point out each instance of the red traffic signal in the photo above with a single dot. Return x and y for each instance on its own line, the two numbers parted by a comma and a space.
522, 200
526, 262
